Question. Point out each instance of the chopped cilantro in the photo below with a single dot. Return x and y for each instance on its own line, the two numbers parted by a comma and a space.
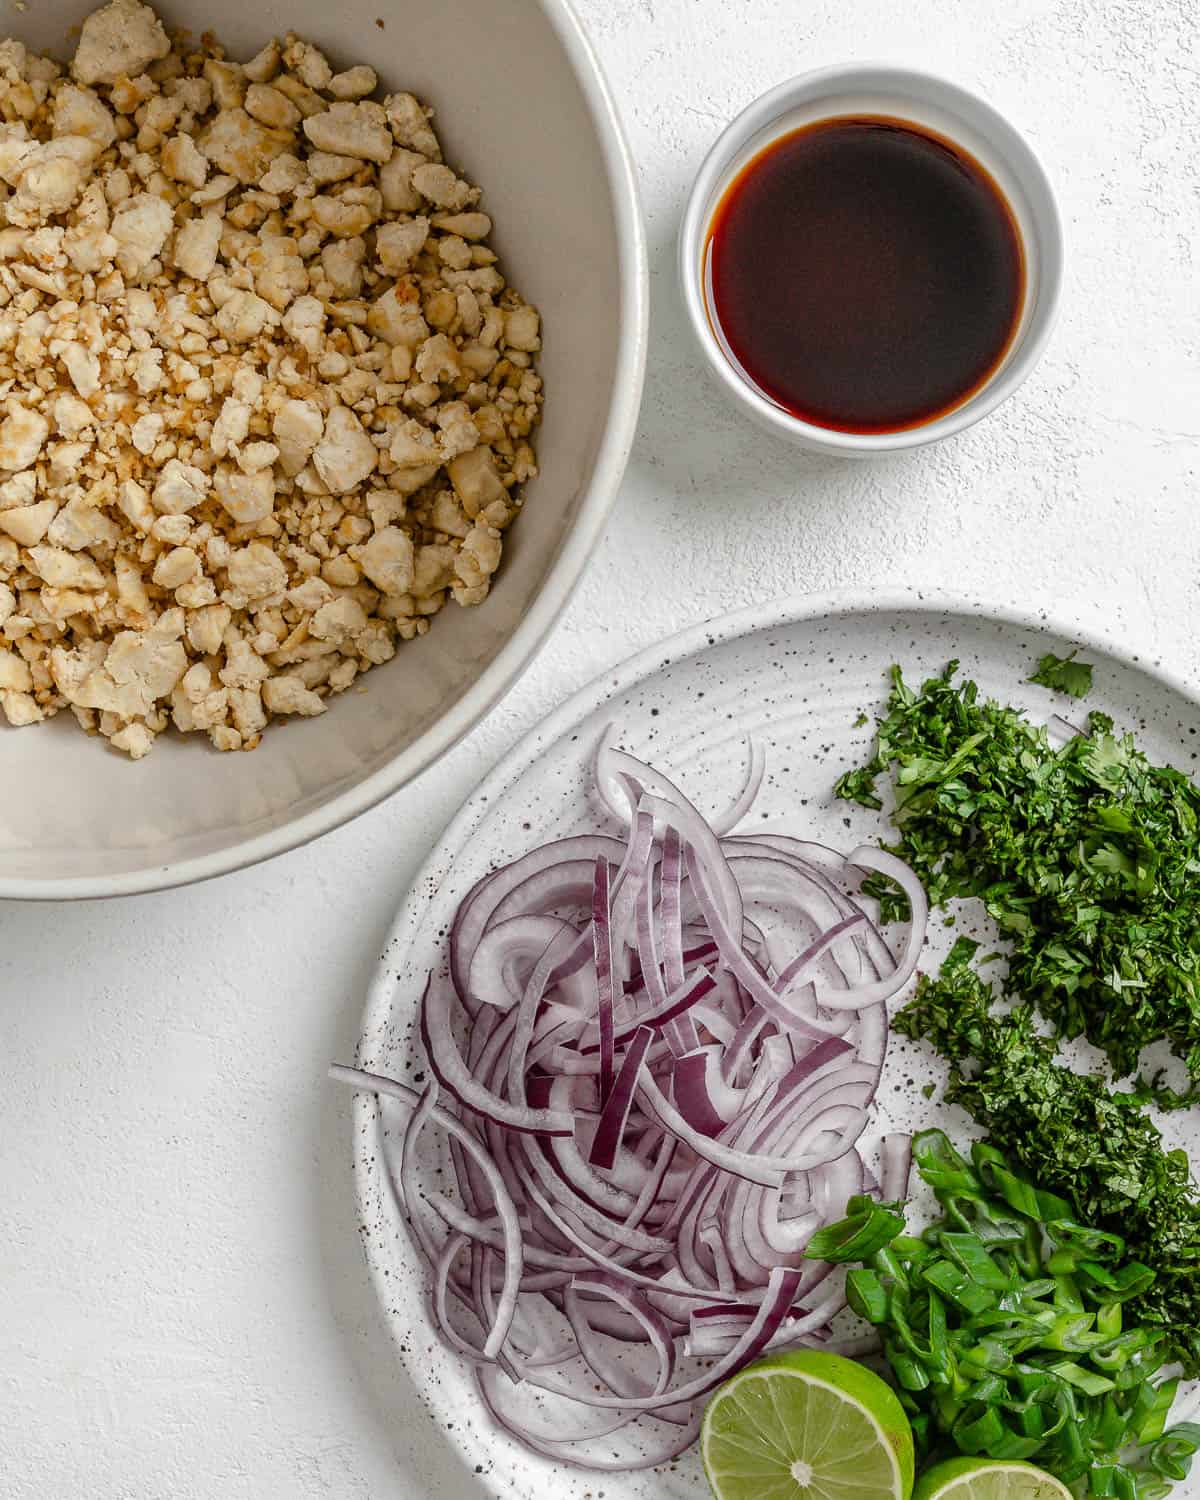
1098, 1149
859, 786
1064, 674
1086, 855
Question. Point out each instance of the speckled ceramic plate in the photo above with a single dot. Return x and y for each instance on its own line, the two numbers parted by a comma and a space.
798, 676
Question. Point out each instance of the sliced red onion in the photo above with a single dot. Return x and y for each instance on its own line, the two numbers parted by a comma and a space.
896, 1152
615, 1114
603, 960
882, 990
690, 993
655, 1057
532, 883
504, 959
454, 1076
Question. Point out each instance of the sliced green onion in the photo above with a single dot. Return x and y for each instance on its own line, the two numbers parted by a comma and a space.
1108, 1285
867, 1295
1148, 1419
1007, 1328
1171, 1456
1083, 1380
868, 1227
1071, 1332
971, 1256
957, 1287
942, 1167
1091, 1244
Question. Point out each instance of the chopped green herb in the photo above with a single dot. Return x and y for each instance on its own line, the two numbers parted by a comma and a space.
1098, 1149
1086, 855
1008, 1331
859, 786
1064, 674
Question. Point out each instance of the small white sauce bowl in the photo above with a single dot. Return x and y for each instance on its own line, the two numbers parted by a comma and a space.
924, 100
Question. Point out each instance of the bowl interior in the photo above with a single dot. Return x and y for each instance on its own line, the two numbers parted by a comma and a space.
72, 811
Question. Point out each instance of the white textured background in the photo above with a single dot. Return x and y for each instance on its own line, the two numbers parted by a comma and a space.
183, 1308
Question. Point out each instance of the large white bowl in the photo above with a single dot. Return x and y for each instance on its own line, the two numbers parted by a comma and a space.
523, 109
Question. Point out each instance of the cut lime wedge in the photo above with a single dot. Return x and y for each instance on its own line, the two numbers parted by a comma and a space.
807, 1426
987, 1479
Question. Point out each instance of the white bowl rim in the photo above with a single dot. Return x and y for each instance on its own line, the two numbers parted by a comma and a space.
1030, 170
557, 588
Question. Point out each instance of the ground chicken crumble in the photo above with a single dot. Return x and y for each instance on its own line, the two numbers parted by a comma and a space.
267, 401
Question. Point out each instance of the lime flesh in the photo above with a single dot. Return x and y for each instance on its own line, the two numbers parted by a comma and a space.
807, 1426
987, 1479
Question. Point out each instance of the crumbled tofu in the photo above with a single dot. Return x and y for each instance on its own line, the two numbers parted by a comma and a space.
355, 83
475, 480
64, 569
439, 184
298, 427
285, 174
287, 694
398, 244
387, 560
135, 739
84, 369
269, 107
78, 111
345, 456
396, 184
324, 167
119, 41
308, 63
22, 434
15, 674
255, 571
247, 497
196, 245
140, 227
241, 146
521, 329
395, 321
71, 415
146, 432
243, 317
182, 162
266, 400
181, 487
21, 709
304, 322
359, 130
175, 568
410, 125
135, 506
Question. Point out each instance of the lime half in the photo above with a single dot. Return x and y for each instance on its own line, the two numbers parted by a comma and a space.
987, 1479
807, 1426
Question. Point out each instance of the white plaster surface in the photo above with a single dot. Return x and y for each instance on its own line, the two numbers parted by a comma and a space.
183, 1308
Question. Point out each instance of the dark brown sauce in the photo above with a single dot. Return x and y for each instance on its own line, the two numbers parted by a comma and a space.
867, 274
